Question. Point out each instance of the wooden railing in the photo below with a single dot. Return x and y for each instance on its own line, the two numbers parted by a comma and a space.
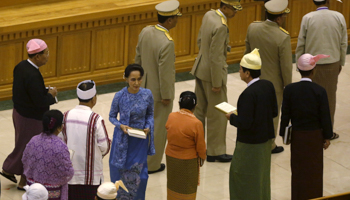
96, 39
343, 196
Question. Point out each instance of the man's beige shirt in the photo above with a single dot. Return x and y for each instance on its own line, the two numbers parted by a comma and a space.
275, 52
323, 32
156, 54
213, 39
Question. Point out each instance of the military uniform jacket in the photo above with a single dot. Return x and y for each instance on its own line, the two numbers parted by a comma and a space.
156, 54
275, 51
213, 38
323, 32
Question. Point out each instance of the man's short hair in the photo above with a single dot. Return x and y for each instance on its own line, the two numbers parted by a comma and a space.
222, 4
320, 3
253, 73
162, 19
33, 55
85, 87
305, 73
272, 17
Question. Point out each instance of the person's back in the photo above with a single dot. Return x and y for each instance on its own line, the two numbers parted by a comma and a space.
183, 133
85, 134
306, 102
270, 40
152, 53
326, 29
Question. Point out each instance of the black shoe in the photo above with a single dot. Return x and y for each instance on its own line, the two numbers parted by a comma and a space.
277, 149
335, 136
19, 188
162, 167
220, 158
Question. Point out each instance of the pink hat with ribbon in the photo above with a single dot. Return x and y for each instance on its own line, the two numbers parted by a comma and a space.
35, 46
307, 62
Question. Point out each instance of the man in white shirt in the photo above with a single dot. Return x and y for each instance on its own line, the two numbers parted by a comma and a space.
85, 134
324, 31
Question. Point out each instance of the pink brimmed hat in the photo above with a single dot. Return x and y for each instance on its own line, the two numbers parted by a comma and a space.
307, 62
35, 46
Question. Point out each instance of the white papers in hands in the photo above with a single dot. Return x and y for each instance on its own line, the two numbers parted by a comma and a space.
226, 108
137, 133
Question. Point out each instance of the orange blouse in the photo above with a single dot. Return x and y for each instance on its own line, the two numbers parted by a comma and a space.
185, 136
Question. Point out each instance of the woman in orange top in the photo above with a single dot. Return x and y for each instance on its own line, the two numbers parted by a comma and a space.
185, 151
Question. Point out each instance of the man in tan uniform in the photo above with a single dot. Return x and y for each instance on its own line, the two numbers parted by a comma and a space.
155, 52
210, 70
324, 32
275, 49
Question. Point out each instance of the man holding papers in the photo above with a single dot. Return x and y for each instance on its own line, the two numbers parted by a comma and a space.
305, 103
256, 108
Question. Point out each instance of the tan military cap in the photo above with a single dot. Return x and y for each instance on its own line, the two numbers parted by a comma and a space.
169, 8
252, 60
277, 7
233, 3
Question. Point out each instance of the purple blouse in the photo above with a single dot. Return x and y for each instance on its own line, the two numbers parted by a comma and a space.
46, 160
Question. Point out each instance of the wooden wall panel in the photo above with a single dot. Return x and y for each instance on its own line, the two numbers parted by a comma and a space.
239, 24
11, 55
108, 48
74, 53
182, 36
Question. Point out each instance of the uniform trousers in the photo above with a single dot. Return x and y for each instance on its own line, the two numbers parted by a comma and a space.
279, 96
216, 120
161, 113
327, 76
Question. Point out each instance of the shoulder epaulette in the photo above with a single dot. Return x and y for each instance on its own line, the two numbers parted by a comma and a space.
223, 21
257, 21
168, 36
286, 32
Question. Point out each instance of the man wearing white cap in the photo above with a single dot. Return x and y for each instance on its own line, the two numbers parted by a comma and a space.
256, 108
275, 49
31, 100
324, 31
109, 190
210, 70
305, 104
85, 133
155, 52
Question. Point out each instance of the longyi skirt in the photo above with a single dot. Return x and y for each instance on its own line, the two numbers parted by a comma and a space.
307, 164
182, 176
250, 172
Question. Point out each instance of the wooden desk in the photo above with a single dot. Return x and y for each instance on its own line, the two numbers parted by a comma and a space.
96, 39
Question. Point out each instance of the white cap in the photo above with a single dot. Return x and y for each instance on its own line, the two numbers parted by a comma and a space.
307, 62
277, 7
108, 190
169, 8
35, 192
88, 94
252, 60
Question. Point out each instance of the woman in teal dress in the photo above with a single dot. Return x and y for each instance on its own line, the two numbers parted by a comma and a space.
128, 158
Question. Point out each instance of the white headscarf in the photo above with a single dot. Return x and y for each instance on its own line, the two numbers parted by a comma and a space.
35, 192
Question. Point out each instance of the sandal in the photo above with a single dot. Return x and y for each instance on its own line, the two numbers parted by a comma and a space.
335, 136
9, 177
21, 188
